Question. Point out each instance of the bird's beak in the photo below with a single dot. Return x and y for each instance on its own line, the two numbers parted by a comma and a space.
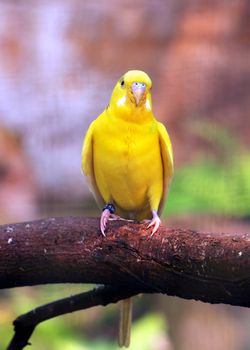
138, 90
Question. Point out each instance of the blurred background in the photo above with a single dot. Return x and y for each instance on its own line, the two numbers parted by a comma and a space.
59, 61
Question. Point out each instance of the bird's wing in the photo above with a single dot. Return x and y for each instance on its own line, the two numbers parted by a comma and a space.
88, 165
167, 160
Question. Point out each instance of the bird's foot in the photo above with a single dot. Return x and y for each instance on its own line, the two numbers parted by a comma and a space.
103, 221
108, 211
155, 222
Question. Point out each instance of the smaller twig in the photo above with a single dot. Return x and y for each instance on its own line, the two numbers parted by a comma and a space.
25, 324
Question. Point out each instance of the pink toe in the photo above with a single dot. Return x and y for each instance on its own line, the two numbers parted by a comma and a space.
156, 226
155, 222
103, 221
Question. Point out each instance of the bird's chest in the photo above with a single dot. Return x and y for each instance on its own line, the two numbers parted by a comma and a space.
125, 162
127, 148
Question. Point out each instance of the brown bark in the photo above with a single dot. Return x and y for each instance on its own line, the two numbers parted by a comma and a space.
212, 267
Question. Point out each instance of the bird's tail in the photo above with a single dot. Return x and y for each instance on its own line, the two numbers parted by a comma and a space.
125, 322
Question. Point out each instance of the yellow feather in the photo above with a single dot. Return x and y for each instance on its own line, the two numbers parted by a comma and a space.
88, 166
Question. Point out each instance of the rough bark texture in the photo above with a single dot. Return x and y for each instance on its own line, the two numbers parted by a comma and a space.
212, 267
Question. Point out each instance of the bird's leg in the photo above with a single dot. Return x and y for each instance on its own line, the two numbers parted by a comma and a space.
154, 222
108, 210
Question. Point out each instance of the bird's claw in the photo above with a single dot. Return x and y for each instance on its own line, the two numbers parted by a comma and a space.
105, 217
155, 222
114, 217
103, 221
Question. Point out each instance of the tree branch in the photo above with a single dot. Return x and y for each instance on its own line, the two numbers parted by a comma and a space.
25, 324
212, 267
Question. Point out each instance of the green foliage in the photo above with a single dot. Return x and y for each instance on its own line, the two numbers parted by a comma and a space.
212, 188
148, 332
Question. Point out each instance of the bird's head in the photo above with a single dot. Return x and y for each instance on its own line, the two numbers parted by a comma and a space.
131, 95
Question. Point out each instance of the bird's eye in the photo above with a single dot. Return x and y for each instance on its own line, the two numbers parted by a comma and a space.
122, 83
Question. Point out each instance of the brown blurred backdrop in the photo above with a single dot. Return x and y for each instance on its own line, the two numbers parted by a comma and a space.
58, 64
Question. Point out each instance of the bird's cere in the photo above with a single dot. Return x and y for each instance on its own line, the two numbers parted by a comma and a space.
138, 90
121, 101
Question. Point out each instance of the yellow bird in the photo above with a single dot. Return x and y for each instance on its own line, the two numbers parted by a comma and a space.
127, 157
